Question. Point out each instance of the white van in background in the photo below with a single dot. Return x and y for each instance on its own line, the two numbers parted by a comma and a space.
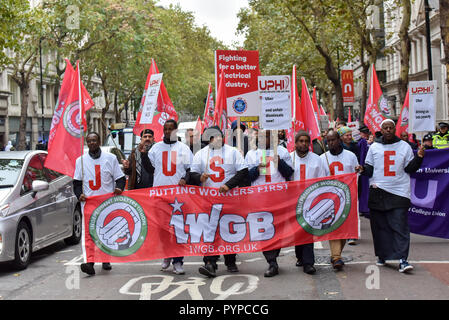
182, 128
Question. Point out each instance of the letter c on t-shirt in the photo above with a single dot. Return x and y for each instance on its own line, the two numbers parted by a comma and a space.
336, 164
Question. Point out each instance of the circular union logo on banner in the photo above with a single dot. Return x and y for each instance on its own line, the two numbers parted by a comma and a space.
118, 226
323, 207
240, 105
72, 121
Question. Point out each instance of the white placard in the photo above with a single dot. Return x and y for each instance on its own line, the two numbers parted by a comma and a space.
275, 94
149, 106
354, 125
423, 97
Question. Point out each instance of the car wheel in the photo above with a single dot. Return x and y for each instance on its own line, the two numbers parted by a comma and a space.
77, 228
23, 246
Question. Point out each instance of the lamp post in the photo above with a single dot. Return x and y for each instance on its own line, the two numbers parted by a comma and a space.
42, 89
427, 9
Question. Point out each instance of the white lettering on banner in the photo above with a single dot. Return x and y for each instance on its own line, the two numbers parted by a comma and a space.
260, 225
161, 283
213, 192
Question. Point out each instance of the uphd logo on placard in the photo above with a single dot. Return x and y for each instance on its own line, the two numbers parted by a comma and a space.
268, 85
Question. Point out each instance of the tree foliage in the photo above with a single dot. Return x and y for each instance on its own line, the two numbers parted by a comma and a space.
316, 36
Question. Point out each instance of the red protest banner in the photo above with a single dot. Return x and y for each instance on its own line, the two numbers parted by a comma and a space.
171, 221
241, 69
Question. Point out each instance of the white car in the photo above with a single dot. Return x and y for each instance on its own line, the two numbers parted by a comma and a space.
37, 207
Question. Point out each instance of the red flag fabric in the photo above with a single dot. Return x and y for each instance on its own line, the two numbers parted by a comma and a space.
199, 125
310, 122
377, 108
165, 108
209, 108
66, 145
349, 114
220, 116
298, 117
316, 109
322, 112
174, 221
402, 124
290, 135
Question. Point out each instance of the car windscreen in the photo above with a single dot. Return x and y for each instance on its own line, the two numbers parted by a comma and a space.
9, 172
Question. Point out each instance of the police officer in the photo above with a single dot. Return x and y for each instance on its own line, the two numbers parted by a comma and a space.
441, 139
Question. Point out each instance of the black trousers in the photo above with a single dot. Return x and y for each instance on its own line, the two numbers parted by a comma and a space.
391, 233
229, 259
271, 256
305, 254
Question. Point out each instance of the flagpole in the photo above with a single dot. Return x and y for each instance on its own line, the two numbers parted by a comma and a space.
294, 97
80, 101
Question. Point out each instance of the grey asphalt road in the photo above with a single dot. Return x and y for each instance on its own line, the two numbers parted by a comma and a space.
54, 274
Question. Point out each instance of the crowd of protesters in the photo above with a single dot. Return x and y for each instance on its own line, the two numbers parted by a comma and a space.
383, 160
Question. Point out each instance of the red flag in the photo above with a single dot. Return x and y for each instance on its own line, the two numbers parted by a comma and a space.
62, 100
165, 108
316, 109
403, 118
208, 117
64, 150
322, 112
377, 109
220, 115
297, 113
199, 125
310, 122
349, 114
290, 135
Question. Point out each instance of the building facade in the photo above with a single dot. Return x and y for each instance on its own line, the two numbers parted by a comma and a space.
39, 118
388, 64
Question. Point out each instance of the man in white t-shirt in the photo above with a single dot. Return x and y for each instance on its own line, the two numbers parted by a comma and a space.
218, 165
389, 163
96, 173
307, 165
171, 160
264, 168
337, 161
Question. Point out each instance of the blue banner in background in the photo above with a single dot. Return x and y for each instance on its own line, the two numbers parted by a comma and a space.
429, 211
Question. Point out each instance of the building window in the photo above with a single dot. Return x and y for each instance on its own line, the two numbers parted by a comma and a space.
48, 97
15, 90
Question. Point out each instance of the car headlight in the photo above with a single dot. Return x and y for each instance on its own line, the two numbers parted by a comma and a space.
4, 210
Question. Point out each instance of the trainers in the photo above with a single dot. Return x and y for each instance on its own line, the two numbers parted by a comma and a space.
88, 268
177, 268
404, 266
208, 270
106, 266
352, 242
380, 262
165, 264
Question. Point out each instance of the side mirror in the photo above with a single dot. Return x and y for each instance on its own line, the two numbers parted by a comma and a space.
39, 185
